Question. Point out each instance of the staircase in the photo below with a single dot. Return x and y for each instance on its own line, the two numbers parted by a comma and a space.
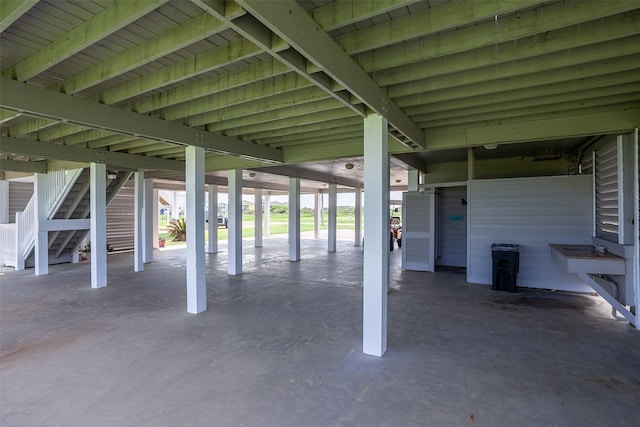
67, 197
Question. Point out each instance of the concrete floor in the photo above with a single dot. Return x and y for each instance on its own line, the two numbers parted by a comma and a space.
281, 346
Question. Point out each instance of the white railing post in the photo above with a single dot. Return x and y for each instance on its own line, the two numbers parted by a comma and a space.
19, 241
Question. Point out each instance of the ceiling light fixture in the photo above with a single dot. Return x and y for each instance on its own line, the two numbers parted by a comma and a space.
491, 146
349, 166
252, 174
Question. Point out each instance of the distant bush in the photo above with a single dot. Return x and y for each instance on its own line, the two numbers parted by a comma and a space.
177, 229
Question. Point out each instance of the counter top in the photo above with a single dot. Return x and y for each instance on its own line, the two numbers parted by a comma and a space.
585, 259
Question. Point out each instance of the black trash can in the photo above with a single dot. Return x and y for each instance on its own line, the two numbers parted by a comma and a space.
506, 263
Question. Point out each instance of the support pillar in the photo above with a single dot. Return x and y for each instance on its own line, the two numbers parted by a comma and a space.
147, 211
156, 213
294, 219
175, 213
98, 204
267, 215
235, 222
358, 217
257, 202
194, 210
333, 216
138, 221
471, 164
413, 179
41, 249
317, 211
376, 234
4, 201
212, 219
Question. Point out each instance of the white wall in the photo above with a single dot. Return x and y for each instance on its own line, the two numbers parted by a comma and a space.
531, 212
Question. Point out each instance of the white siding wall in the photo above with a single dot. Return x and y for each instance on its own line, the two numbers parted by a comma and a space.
531, 212
19, 195
120, 220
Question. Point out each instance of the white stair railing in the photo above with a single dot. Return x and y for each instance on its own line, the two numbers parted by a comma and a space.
58, 185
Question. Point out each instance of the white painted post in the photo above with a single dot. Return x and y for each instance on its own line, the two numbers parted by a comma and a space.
294, 219
4, 201
257, 202
98, 204
212, 219
194, 211
376, 234
156, 212
358, 216
413, 179
175, 213
19, 243
333, 214
42, 235
148, 211
471, 164
138, 221
317, 211
235, 222
267, 214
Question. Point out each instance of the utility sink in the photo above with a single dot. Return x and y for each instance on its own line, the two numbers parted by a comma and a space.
585, 259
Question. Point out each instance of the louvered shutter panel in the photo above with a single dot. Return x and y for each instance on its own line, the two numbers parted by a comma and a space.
418, 236
606, 192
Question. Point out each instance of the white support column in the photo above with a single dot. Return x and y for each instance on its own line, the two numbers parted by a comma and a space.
413, 179
4, 201
212, 219
471, 164
194, 210
138, 221
175, 213
358, 217
98, 204
294, 219
148, 211
333, 216
42, 235
235, 222
257, 202
156, 212
317, 211
376, 234
267, 215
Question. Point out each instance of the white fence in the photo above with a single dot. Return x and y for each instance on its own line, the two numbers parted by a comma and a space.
8, 245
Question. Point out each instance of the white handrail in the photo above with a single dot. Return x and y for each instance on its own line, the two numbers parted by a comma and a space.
58, 185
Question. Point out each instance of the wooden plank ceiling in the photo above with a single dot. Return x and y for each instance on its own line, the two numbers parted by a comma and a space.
286, 84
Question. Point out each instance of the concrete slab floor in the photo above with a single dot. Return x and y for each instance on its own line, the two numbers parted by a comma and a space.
281, 346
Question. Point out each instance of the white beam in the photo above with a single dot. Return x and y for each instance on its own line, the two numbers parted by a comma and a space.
196, 280
358, 216
148, 212
333, 216
235, 222
65, 224
48, 104
212, 219
258, 217
294, 219
267, 214
42, 235
138, 221
98, 203
376, 233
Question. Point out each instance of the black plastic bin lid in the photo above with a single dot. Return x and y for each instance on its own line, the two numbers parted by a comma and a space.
505, 247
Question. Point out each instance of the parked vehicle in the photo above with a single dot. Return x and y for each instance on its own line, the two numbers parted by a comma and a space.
395, 232
223, 222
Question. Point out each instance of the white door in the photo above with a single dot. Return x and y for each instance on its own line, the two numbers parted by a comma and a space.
418, 225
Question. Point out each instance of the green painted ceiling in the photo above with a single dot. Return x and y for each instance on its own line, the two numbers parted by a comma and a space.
262, 83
